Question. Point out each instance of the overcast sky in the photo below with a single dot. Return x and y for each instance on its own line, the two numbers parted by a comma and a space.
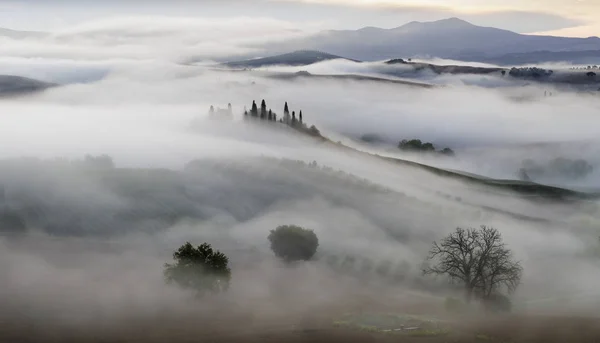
559, 17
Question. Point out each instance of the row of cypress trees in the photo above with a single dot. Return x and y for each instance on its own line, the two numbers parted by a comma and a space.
265, 114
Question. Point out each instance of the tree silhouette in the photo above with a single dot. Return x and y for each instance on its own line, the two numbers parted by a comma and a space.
270, 117
285, 109
263, 109
254, 110
293, 243
300, 115
200, 269
478, 259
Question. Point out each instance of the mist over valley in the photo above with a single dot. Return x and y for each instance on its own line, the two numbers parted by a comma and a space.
123, 138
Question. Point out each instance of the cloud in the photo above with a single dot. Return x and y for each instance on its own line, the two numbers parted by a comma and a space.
175, 39
585, 30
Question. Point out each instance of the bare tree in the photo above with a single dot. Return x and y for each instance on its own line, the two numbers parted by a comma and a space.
478, 259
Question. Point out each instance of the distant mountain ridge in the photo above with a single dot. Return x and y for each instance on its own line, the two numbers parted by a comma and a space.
449, 38
591, 57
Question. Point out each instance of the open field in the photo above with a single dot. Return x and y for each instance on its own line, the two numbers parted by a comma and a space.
315, 327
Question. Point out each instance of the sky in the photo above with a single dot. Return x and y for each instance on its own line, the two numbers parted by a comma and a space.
579, 18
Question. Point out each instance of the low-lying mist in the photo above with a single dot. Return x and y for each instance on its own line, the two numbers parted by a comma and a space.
88, 240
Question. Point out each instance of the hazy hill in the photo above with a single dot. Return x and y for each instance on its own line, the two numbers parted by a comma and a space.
577, 57
296, 58
17, 85
444, 69
448, 38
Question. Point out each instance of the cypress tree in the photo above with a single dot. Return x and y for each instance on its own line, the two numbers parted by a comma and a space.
300, 116
293, 117
285, 109
263, 109
254, 110
270, 117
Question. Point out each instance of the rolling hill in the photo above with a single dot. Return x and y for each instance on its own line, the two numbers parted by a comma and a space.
296, 58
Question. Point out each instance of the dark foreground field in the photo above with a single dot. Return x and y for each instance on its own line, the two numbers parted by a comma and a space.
316, 327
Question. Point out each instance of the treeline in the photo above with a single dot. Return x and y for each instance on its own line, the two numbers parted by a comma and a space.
416, 145
533, 72
296, 122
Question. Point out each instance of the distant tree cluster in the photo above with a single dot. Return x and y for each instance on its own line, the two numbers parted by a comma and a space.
532, 72
263, 114
590, 67
220, 112
296, 122
558, 167
416, 145
590, 70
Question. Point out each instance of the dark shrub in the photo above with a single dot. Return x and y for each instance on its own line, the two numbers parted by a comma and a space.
293, 243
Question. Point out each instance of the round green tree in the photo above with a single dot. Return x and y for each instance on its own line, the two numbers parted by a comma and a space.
293, 243
200, 269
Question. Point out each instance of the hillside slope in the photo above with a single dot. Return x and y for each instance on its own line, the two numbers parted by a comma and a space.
11, 85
